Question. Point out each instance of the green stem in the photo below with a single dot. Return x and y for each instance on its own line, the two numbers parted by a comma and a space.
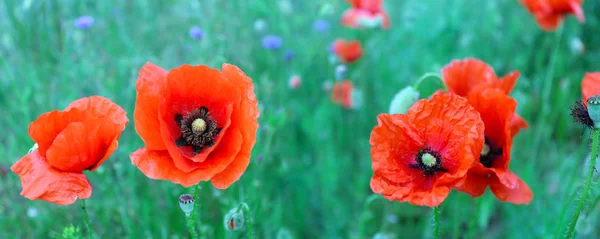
429, 75
436, 222
473, 219
191, 220
588, 183
248, 219
87, 219
368, 202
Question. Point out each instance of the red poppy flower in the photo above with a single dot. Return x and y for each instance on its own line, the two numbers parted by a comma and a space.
347, 51
68, 142
365, 12
418, 157
590, 86
342, 93
550, 13
198, 124
496, 110
464, 76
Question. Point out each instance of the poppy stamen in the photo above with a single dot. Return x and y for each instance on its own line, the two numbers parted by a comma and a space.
428, 161
489, 153
198, 129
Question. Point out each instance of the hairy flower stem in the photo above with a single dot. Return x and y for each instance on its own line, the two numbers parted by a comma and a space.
87, 219
588, 183
436, 222
430, 75
191, 220
248, 220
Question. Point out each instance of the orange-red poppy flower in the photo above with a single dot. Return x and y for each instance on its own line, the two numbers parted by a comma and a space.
198, 124
464, 76
342, 93
590, 86
418, 157
550, 13
496, 110
347, 51
79, 138
365, 13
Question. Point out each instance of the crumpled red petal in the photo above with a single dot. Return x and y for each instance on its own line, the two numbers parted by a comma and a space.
42, 182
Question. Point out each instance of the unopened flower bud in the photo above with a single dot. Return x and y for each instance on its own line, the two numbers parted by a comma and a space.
404, 100
594, 110
186, 202
234, 219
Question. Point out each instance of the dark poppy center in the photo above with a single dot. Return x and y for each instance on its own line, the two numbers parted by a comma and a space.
198, 129
489, 153
428, 161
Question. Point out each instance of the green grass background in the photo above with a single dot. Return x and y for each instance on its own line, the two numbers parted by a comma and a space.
313, 179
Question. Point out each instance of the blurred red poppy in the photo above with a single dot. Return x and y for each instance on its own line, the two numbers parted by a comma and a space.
496, 110
366, 13
347, 51
198, 124
464, 76
68, 142
550, 13
342, 93
418, 157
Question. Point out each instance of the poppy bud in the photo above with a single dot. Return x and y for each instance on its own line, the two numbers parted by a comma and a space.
594, 110
186, 202
234, 219
340, 72
404, 100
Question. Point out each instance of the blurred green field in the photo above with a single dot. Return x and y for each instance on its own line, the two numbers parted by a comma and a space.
312, 180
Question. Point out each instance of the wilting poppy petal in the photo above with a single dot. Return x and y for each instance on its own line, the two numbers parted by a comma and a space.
342, 93
590, 86
41, 181
440, 137
148, 87
520, 193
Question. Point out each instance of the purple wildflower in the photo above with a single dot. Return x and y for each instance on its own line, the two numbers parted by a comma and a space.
321, 25
84, 22
289, 55
196, 32
271, 42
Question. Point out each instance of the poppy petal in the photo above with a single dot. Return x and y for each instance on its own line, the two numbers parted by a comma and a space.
351, 17
549, 22
149, 84
244, 119
474, 184
83, 145
590, 85
100, 107
48, 125
159, 164
43, 182
577, 10
519, 193
508, 82
516, 124
461, 75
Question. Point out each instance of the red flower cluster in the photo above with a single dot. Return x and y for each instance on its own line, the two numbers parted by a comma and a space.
364, 13
461, 140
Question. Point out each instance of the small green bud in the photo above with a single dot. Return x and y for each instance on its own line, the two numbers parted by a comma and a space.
186, 202
402, 101
234, 219
594, 110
